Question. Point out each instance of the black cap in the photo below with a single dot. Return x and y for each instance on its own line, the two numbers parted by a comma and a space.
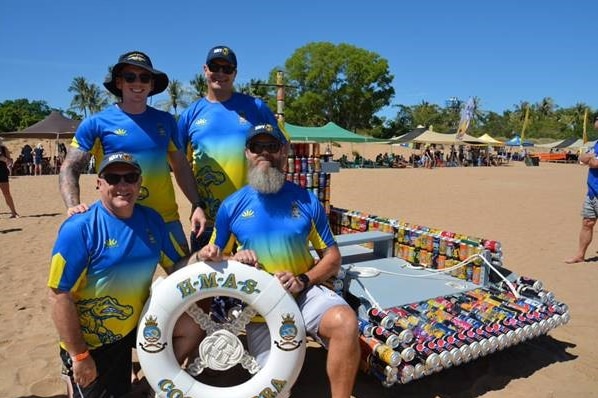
118, 157
136, 58
224, 53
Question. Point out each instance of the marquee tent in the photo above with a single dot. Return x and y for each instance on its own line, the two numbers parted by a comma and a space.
431, 137
327, 133
55, 125
490, 140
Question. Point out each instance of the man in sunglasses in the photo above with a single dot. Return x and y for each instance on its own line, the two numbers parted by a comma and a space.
149, 134
102, 267
272, 221
215, 127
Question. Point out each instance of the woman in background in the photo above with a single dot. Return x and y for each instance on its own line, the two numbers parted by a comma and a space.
5, 160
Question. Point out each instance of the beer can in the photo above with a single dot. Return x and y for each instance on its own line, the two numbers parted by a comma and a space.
309, 180
291, 164
382, 318
536, 284
386, 336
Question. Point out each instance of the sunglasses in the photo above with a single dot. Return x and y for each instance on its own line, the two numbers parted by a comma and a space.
113, 179
259, 147
131, 77
227, 69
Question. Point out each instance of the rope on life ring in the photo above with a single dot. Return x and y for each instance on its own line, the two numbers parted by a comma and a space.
221, 349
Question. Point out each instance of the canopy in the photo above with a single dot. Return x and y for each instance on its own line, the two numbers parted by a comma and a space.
489, 140
516, 141
326, 133
55, 125
421, 135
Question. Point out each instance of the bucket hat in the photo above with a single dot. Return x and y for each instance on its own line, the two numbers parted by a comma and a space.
136, 58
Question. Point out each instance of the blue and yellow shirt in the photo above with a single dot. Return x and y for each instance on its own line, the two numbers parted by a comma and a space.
278, 227
108, 263
149, 137
215, 133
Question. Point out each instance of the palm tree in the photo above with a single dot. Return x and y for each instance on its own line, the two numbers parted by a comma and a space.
199, 86
80, 87
176, 97
96, 100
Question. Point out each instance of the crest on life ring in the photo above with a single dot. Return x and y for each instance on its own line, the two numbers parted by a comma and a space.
152, 335
288, 334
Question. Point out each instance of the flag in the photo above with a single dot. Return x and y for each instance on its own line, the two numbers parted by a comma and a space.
585, 126
525, 121
466, 116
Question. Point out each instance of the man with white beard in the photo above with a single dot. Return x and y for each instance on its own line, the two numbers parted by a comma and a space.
272, 221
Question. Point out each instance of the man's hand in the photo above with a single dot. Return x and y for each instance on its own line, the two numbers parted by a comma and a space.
209, 252
246, 257
80, 208
198, 221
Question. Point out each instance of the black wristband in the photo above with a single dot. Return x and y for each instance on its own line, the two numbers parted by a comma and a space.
200, 203
303, 278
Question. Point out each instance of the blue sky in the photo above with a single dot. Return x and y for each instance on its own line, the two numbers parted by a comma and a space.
502, 52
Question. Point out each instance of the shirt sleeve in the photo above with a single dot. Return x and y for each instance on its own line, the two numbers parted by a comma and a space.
70, 257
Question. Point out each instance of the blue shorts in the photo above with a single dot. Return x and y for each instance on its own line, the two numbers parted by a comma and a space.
314, 303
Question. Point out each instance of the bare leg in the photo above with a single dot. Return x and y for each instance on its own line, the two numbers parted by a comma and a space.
585, 238
339, 325
5, 188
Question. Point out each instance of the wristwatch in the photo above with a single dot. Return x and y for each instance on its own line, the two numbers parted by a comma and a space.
303, 278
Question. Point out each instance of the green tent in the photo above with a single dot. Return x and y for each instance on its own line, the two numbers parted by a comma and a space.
327, 133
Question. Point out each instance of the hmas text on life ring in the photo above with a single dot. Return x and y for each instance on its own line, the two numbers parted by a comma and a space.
221, 349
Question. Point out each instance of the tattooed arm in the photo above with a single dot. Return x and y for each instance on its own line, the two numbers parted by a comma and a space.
74, 164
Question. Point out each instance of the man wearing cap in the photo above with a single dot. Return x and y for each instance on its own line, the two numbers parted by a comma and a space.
272, 220
147, 133
102, 266
215, 127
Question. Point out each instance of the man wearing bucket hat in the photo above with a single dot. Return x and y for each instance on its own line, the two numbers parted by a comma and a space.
273, 221
102, 267
147, 133
215, 127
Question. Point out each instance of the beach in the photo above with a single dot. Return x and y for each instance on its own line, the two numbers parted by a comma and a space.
533, 211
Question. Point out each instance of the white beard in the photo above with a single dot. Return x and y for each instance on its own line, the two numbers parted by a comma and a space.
266, 181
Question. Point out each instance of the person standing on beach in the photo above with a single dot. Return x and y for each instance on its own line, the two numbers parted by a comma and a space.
38, 159
102, 267
589, 211
147, 133
215, 127
5, 160
272, 221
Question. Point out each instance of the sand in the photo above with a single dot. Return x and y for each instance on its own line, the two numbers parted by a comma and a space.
532, 211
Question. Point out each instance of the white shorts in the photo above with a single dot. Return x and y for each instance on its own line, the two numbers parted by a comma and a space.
314, 303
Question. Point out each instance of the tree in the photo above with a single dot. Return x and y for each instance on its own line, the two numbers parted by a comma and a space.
19, 114
88, 98
339, 83
80, 87
177, 96
199, 87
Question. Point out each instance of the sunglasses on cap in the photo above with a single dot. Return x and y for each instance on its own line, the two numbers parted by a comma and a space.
131, 77
226, 69
259, 147
113, 179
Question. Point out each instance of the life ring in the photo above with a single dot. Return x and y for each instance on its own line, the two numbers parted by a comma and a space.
177, 293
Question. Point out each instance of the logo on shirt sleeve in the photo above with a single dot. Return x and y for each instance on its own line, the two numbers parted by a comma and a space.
121, 132
110, 243
248, 214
